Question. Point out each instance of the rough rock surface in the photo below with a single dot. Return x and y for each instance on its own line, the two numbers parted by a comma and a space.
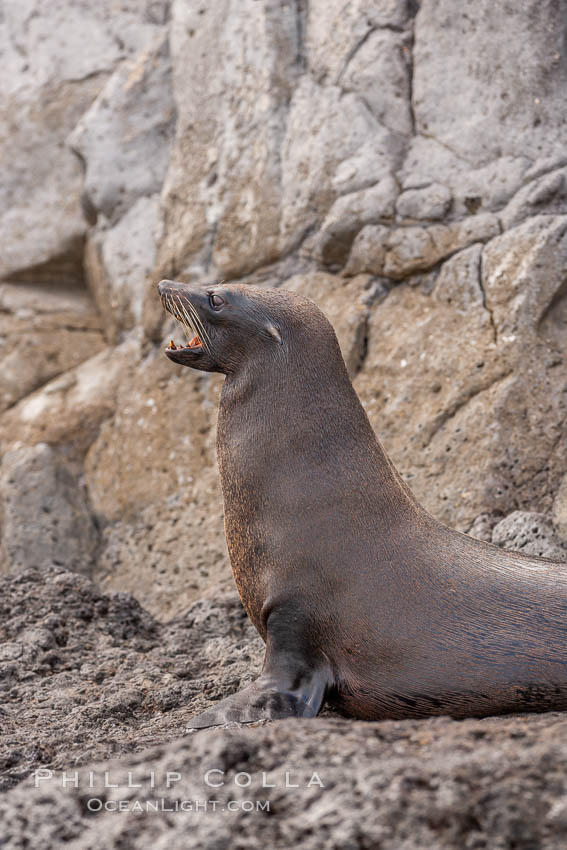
420, 786
531, 533
42, 337
123, 141
46, 518
471, 376
68, 411
56, 59
87, 676
560, 510
171, 554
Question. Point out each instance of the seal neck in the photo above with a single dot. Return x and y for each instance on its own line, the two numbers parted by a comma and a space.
300, 416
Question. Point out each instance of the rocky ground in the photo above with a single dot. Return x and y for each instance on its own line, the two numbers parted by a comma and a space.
84, 675
95, 697
402, 163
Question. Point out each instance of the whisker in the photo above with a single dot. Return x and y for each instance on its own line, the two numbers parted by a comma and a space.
185, 313
196, 320
171, 305
204, 332
187, 325
187, 319
168, 304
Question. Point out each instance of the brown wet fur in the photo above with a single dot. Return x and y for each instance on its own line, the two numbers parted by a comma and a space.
363, 598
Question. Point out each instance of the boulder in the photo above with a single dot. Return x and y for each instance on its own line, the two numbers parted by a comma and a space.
546, 192
531, 533
401, 252
514, 85
49, 84
44, 515
415, 249
467, 386
68, 410
348, 215
431, 203
43, 334
123, 138
560, 511
119, 262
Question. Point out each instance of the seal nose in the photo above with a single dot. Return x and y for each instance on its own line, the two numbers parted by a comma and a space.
162, 286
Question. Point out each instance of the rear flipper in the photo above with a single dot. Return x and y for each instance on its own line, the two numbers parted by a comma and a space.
293, 683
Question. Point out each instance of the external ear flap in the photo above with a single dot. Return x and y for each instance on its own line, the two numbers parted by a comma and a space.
274, 332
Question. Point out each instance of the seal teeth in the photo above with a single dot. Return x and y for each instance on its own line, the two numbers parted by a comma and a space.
172, 345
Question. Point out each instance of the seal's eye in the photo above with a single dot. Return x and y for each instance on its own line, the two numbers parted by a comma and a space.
216, 301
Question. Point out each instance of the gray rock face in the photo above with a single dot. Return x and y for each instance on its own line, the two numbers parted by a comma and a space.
433, 202
381, 55
514, 84
531, 533
228, 144
46, 519
119, 261
335, 33
451, 373
560, 511
56, 60
41, 337
123, 139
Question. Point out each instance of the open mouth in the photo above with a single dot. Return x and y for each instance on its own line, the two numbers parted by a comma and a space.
189, 320
193, 343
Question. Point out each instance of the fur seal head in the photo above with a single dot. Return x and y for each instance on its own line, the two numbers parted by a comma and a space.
227, 327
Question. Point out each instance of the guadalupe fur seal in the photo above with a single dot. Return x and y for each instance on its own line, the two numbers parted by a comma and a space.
361, 597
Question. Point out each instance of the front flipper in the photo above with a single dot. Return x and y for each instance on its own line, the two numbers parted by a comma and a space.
293, 683
262, 700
